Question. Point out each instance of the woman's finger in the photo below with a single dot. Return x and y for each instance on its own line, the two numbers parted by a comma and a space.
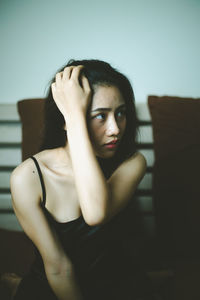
76, 72
85, 84
67, 72
53, 89
58, 79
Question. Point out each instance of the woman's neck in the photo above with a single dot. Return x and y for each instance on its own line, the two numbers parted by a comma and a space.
61, 157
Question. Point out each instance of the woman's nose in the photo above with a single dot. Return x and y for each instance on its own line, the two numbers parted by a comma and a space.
112, 127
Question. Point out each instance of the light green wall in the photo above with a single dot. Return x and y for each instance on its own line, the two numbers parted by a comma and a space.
155, 42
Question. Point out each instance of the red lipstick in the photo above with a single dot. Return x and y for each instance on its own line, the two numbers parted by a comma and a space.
111, 145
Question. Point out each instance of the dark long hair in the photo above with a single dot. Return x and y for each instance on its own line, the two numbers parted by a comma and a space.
98, 73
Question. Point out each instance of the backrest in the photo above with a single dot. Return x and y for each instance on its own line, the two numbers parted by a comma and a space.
31, 113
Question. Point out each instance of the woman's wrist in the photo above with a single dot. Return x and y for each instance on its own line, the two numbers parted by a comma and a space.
75, 120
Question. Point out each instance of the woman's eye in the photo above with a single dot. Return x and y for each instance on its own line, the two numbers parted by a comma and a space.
121, 113
100, 117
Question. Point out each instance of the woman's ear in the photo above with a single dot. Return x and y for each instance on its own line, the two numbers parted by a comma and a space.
65, 127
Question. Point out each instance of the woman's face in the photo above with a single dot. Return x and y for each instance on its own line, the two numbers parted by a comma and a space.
107, 120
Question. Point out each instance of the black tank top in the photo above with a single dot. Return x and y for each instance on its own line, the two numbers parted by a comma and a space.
102, 266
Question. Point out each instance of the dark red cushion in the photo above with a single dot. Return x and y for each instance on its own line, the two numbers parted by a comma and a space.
31, 113
176, 181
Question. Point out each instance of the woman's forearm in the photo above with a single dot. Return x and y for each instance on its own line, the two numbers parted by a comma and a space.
90, 182
72, 99
64, 286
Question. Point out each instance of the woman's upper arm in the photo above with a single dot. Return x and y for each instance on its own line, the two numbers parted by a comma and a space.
26, 190
124, 181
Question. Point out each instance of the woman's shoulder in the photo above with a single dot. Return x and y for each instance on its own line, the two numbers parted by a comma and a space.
27, 165
137, 158
25, 181
134, 166
25, 170
23, 174
138, 163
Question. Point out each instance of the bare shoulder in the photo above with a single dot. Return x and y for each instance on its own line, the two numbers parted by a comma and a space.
24, 183
138, 160
133, 166
129, 173
23, 172
26, 172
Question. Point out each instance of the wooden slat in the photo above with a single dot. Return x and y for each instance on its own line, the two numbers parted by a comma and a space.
10, 145
4, 191
145, 192
6, 211
144, 146
6, 168
149, 169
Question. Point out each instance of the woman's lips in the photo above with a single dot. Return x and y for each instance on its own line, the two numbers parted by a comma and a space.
111, 145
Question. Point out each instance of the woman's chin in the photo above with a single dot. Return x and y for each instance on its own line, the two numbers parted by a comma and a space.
108, 154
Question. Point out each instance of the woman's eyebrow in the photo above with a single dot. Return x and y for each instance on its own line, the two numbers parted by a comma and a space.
108, 109
101, 109
121, 106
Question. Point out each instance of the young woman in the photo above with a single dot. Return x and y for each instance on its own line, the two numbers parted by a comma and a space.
69, 196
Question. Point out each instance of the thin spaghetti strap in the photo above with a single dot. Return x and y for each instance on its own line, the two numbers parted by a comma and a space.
41, 180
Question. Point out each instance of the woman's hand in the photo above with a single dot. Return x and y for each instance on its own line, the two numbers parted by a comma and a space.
71, 91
